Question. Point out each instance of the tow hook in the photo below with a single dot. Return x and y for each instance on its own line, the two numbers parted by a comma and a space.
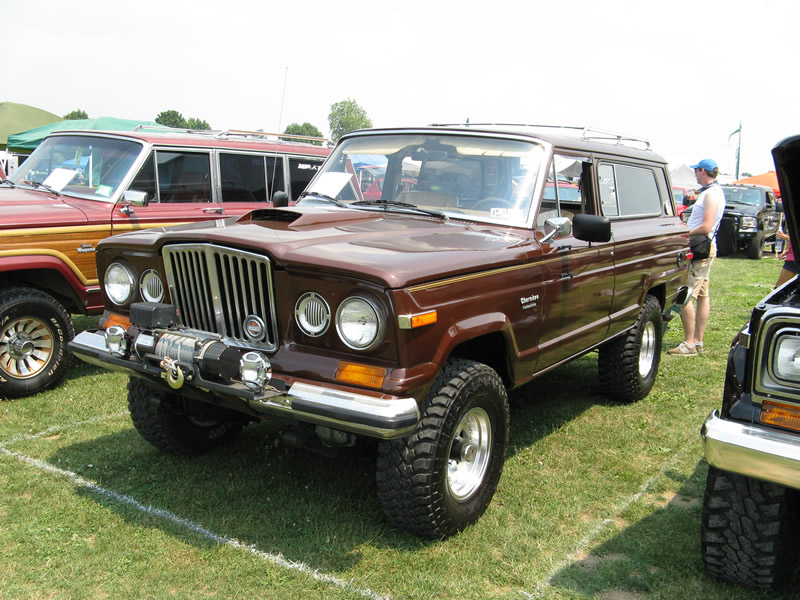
173, 373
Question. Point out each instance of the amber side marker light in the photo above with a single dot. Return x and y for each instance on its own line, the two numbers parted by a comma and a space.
110, 319
780, 415
367, 375
420, 320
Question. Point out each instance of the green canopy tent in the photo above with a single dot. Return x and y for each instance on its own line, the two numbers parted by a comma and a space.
28, 140
19, 117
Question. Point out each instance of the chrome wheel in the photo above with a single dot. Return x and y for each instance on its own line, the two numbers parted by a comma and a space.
26, 346
647, 351
469, 454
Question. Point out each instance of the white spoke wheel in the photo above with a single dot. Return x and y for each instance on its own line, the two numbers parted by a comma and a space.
34, 331
442, 477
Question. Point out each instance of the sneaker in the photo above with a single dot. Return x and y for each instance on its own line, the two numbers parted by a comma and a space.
699, 347
683, 349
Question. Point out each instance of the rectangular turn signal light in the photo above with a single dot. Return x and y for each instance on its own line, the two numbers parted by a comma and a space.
780, 415
349, 372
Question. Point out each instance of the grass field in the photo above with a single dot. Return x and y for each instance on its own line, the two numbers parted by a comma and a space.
597, 500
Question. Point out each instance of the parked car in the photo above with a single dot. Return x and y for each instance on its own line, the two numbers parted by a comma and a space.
751, 530
684, 198
402, 320
79, 187
751, 220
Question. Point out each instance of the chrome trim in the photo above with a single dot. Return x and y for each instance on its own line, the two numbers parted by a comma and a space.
216, 288
357, 412
752, 450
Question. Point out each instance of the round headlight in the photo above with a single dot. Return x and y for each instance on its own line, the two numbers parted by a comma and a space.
151, 287
120, 283
312, 314
359, 323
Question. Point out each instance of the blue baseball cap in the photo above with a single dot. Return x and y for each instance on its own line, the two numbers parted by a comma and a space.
707, 164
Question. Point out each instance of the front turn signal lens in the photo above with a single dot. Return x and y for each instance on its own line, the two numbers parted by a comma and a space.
780, 415
418, 320
367, 375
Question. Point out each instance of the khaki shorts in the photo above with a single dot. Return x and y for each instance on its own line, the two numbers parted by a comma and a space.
699, 273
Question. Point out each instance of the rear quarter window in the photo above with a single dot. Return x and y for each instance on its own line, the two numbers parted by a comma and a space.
628, 191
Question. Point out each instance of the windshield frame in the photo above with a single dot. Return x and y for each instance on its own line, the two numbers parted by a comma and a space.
473, 164
43, 157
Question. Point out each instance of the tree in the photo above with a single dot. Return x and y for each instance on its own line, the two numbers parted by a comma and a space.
346, 116
305, 129
193, 123
171, 118
75, 114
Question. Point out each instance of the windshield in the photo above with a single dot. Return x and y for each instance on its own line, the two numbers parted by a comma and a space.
749, 196
82, 166
462, 177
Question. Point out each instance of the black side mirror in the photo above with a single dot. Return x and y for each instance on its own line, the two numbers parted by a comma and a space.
591, 228
280, 199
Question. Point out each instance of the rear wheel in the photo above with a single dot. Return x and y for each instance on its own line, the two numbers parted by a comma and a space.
628, 365
441, 478
749, 530
34, 332
175, 424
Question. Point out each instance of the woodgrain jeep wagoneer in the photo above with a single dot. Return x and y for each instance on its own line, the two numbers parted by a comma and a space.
78, 187
491, 255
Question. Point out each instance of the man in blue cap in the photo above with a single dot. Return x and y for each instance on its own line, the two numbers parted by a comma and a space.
704, 220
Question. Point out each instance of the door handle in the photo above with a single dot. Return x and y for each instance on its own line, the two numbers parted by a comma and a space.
217, 210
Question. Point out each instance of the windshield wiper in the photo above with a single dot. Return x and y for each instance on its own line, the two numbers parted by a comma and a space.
9, 182
44, 186
325, 197
387, 204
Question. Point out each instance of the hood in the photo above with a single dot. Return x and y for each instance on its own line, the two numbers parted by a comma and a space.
787, 163
394, 249
20, 208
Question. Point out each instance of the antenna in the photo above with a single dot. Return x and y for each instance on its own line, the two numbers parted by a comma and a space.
283, 97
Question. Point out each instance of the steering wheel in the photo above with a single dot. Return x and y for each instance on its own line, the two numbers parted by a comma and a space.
492, 202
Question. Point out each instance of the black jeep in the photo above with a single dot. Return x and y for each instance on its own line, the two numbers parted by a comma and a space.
751, 509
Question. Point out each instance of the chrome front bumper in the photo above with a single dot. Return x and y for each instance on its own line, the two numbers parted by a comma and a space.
355, 412
751, 450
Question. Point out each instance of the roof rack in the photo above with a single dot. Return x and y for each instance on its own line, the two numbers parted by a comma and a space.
586, 132
228, 133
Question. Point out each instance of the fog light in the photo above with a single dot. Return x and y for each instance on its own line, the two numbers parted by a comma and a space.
255, 370
116, 342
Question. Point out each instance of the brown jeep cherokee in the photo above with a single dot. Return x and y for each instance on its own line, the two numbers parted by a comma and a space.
492, 254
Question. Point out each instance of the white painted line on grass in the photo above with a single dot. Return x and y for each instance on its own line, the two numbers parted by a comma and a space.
276, 559
56, 428
598, 529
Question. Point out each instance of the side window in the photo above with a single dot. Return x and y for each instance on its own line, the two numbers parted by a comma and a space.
301, 171
145, 180
627, 191
243, 178
184, 176
563, 192
275, 178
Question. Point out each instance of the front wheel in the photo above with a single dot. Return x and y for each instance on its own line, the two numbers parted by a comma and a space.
175, 424
749, 530
755, 249
34, 331
628, 365
441, 478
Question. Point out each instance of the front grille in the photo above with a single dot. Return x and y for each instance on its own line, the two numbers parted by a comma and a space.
223, 291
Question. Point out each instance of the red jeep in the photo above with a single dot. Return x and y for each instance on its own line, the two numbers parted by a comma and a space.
78, 188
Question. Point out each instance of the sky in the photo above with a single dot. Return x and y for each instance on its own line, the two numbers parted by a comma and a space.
682, 74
